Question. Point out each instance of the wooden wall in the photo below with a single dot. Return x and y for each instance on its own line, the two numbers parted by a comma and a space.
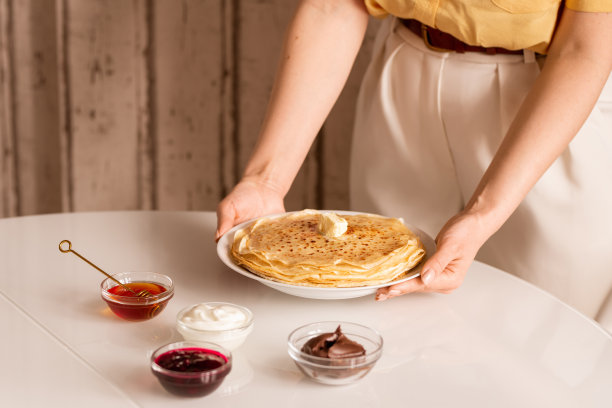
148, 104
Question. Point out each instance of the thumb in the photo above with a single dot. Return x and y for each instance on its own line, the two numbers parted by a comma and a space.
435, 265
225, 220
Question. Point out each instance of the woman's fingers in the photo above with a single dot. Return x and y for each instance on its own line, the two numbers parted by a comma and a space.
226, 215
457, 245
412, 285
437, 274
246, 201
443, 272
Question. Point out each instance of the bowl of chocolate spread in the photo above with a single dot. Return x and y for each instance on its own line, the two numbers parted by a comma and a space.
335, 352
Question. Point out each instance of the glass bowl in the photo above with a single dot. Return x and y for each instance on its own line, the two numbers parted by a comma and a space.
130, 307
226, 333
337, 371
191, 368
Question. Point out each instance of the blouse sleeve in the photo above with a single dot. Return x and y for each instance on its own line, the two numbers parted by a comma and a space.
597, 6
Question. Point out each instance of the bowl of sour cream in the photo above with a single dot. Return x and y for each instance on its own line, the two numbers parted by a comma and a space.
225, 324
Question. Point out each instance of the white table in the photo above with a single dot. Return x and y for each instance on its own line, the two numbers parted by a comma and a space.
497, 341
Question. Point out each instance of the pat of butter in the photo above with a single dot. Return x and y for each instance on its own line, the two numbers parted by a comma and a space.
331, 225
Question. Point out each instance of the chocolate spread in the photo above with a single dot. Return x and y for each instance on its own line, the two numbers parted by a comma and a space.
333, 345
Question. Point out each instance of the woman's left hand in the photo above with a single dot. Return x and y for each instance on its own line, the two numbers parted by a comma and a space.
457, 245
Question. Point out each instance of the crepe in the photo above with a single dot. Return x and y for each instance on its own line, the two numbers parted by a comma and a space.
293, 249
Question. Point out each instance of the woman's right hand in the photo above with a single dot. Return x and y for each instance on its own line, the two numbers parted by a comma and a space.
249, 199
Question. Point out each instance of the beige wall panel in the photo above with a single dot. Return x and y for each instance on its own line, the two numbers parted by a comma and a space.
147, 189
338, 131
64, 107
261, 30
228, 168
139, 104
36, 106
188, 102
103, 75
8, 176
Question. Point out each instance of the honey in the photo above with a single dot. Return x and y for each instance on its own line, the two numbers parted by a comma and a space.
127, 305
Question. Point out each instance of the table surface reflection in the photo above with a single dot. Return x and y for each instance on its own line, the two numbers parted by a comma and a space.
497, 341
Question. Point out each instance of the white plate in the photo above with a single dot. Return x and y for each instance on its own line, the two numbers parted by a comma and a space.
223, 250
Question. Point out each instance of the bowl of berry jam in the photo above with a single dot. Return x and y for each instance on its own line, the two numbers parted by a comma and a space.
191, 368
127, 301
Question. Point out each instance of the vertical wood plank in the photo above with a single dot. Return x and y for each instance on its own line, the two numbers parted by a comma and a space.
9, 181
229, 97
188, 71
262, 28
103, 66
338, 131
37, 114
64, 105
145, 99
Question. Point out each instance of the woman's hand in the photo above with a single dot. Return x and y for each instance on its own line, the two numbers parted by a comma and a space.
457, 245
248, 200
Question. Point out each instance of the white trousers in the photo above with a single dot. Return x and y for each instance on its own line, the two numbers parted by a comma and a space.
427, 126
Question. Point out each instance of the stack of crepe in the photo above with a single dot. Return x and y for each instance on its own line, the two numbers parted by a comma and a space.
292, 249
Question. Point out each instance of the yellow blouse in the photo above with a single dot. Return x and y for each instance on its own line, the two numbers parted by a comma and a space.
510, 24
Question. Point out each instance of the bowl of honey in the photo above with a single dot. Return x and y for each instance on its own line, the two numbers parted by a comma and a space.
191, 368
124, 300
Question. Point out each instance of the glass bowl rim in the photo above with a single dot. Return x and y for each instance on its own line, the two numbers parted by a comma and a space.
244, 327
191, 344
303, 358
131, 300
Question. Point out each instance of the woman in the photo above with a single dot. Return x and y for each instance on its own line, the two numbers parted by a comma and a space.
454, 127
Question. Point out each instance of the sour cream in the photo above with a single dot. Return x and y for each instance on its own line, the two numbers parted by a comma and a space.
223, 323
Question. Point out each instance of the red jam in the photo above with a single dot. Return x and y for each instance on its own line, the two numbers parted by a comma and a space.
135, 308
192, 372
